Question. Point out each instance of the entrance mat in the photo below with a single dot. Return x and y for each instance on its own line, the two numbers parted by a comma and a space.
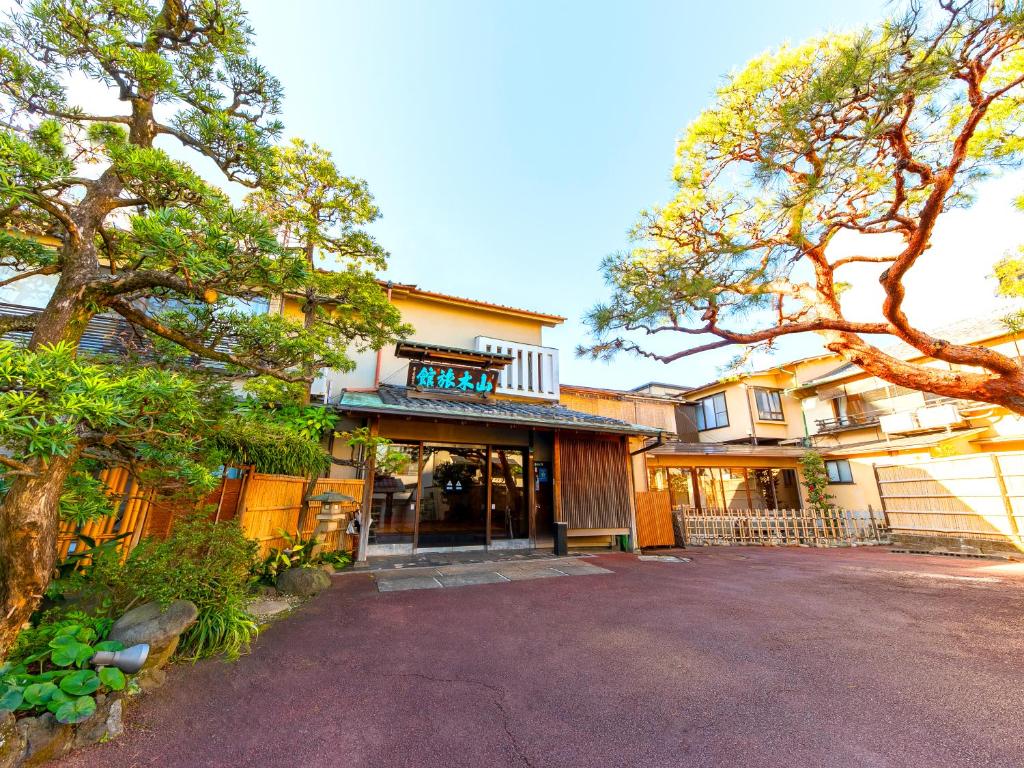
465, 575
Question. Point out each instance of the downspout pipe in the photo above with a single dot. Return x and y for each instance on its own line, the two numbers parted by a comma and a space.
750, 414
656, 444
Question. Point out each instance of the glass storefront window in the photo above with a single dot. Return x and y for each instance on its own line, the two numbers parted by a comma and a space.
394, 501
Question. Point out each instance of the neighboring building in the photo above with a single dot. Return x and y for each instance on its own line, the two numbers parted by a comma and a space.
734, 446
661, 389
909, 452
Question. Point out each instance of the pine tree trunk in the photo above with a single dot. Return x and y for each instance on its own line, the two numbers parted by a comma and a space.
30, 509
29, 520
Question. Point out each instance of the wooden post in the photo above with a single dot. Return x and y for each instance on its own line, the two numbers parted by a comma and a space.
556, 484
633, 542
243, 493
367, 502
881, 496
1007, 504
488, 496
419, 497
220, 501
531, 492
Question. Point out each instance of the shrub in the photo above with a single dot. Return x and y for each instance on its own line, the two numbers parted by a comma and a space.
297, 553
208, 563
48, 669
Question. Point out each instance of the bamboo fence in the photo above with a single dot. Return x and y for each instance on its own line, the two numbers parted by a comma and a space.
782, 527
978, 497
271, 504
133, 507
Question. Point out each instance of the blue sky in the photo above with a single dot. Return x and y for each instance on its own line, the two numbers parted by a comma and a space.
510, 145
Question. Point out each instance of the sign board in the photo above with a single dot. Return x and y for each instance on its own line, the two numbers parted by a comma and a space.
456, 379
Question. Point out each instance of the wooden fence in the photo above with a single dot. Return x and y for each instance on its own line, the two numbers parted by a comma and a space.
133, 505
264, 504
781, 527
271, 504
654, 519
979, 498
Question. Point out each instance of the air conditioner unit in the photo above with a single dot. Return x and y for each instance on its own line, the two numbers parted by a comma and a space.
896, 423
937, 416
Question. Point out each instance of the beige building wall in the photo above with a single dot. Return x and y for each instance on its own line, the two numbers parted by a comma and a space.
435, 320
744, 420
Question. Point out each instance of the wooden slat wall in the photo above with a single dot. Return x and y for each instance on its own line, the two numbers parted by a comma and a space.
654, 519
978, 496
593, 484
272, 504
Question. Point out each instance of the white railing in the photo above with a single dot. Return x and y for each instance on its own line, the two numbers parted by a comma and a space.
533, 371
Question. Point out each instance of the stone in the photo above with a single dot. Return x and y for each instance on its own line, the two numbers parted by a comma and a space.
12, 741
264, 608
45, 738
152, 679
156, 626
303, 582
264, 590
105, 724
469, 579
327, 568
408, 582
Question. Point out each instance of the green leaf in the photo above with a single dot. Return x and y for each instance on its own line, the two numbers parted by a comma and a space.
113, 678
76, 710
40, 694
108, 645
58, 700
81, 683
69, 651
10, 696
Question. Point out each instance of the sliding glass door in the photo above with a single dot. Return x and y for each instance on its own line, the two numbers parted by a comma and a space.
453, 505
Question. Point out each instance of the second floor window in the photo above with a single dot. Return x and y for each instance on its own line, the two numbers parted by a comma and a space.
711, 412
769, 404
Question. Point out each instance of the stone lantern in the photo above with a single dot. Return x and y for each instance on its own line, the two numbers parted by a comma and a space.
331, 517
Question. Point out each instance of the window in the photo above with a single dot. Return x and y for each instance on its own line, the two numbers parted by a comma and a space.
711, 412
839, 472
769, 404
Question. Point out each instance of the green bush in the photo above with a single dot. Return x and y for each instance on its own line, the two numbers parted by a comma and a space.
48, 669
208, 563
297, 553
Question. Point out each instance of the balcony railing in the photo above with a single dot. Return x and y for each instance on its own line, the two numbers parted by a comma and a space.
532, 373
852, 421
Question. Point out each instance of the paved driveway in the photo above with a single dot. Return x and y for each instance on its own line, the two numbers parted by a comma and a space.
742, 657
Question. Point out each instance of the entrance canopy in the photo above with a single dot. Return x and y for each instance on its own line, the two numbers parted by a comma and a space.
400, 401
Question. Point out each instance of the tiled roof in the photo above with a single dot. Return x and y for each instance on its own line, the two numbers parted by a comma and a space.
105, 334
397, 400
900, 443
679, 448
416, 290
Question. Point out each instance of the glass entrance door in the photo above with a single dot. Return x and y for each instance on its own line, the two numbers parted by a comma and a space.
453, 506
509, 494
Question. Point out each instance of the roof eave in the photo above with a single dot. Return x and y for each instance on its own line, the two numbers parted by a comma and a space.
627, 429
